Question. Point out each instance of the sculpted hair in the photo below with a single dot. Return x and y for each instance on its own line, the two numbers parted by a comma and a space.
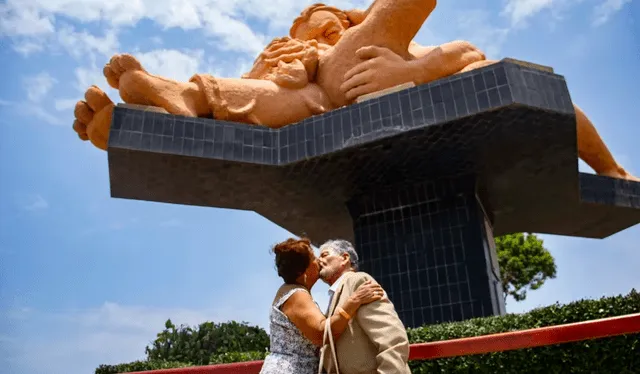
293, 257
308, 11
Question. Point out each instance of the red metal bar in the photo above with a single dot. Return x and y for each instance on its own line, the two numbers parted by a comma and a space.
595, 329
250, 367
600, 328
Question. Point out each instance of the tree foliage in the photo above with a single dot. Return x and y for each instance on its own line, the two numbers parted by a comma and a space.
207, 342
525, 264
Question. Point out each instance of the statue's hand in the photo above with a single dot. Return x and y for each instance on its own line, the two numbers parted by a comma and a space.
380, 68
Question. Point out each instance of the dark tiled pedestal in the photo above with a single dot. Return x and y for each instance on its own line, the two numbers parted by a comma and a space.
430, 245
423, 178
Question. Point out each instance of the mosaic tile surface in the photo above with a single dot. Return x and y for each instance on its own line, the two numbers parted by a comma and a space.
506, 133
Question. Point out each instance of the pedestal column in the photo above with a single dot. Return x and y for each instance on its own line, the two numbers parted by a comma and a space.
431, 247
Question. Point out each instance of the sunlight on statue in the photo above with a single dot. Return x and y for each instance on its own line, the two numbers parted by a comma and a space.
330, 58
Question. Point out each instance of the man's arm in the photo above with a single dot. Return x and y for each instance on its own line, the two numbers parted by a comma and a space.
380, 322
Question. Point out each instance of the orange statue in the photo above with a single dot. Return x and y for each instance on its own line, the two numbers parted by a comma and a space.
295, 77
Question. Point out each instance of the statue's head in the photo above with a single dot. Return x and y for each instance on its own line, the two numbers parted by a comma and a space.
320, 22
290, 63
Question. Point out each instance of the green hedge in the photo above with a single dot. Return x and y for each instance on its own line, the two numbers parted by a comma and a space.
230, 357
139, 366
223, 358
619, 355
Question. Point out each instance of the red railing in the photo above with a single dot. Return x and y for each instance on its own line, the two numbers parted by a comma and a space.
572, 332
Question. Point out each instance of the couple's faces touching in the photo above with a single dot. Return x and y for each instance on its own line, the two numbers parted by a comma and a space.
326, 266
331, 264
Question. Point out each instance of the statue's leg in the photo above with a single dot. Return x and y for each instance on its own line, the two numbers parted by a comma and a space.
591, 147
241, 100
594, 152
259, 101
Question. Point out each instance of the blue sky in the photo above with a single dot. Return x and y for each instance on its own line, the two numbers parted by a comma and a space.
86, 279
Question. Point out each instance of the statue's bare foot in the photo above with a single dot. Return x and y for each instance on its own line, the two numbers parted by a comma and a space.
93, 117
620, 173
125, 73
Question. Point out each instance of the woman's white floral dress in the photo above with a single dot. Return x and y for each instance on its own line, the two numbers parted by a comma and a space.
290, 351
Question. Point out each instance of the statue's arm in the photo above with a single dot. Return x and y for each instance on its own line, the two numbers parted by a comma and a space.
418, 51
434, 63
357, 16
396, 21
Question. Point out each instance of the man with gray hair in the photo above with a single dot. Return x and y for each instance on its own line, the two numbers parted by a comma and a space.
376, 341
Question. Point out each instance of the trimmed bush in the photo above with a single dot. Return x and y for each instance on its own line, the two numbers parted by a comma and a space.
230, 357
222, 358
609, 355
616, 355
140, 366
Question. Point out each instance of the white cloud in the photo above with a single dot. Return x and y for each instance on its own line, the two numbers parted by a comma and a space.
65, 104
38, 86
519, 11
86, 76
228, 69
222, 20
233, 34
171, 63
113, 317
33, 110
24, 20
217, 18
80, 44
36, 202
478, 28
603, 12
43, 115
27, 47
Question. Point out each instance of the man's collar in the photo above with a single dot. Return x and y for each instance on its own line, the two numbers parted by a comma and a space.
334, 287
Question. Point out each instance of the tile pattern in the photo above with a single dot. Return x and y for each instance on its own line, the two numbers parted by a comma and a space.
199, 137
445, 100
510, 129
607, 191
428, 246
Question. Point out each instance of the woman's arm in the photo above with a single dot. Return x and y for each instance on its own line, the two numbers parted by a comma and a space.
304, 313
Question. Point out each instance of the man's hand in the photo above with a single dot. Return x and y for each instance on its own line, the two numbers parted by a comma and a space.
380, 68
